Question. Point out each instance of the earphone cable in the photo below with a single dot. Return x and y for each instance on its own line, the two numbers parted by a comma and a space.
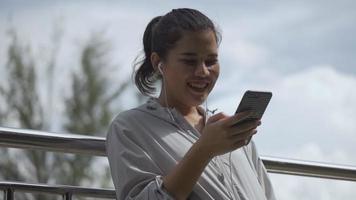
207, 112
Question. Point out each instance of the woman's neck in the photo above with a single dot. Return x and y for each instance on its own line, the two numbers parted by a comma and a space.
183, 109
191, 113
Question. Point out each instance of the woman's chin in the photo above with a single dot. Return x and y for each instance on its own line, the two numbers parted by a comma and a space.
198, 99
198, 96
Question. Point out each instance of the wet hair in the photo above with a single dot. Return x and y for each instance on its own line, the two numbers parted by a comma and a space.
161, 35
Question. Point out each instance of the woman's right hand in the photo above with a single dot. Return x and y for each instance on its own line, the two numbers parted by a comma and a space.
223, 134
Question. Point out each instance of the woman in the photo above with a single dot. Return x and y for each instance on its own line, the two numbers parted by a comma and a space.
169, 148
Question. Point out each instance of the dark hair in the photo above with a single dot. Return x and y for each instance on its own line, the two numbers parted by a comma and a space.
161, 34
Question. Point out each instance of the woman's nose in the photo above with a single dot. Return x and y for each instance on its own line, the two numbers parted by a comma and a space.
202, 70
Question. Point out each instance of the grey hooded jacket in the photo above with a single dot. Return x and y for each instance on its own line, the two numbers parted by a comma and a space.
144, 143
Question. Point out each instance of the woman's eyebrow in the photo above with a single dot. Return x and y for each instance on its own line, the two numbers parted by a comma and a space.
213, 55
195, 54
188, 54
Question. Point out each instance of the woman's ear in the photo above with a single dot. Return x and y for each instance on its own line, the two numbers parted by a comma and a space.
155, 60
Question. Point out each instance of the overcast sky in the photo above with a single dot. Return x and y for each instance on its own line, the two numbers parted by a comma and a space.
302, 51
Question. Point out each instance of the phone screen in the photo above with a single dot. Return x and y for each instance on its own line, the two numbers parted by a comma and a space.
255, 101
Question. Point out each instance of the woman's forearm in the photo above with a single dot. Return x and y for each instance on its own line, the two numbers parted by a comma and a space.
181, 180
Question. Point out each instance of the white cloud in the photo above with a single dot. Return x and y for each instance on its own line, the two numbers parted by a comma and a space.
315, 152
244, 54
315, 105
330, 95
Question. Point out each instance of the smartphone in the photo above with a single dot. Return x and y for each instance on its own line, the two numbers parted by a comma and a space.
255, 101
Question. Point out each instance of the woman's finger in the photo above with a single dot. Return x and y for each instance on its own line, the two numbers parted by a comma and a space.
216, 117
243, 136
230, 121
244, 127
241, 143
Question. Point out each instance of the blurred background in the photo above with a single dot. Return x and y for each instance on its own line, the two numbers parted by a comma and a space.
65, 66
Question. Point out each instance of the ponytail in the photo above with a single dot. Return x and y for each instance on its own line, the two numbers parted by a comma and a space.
145, 74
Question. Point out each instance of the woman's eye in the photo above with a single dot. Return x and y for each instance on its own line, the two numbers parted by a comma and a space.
192, 62
211, 62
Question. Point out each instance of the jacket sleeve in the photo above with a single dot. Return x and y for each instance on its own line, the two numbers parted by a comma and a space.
262, 173
135, 175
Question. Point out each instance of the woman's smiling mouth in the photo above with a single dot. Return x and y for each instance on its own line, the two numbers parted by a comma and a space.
198, 87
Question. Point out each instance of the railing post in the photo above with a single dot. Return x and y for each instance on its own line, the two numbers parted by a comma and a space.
67, 196
8, 194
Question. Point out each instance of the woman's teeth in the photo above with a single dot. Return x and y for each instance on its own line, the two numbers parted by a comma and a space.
198, 85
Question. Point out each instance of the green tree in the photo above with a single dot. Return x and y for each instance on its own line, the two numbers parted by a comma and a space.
22, 105
88, 109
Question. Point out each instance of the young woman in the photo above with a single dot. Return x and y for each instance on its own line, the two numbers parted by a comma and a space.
169, 148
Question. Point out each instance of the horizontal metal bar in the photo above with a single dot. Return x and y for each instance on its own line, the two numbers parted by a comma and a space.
309, 168
71, 143
58, 189
67, 143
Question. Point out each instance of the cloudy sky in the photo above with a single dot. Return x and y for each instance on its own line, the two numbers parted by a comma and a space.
303, 51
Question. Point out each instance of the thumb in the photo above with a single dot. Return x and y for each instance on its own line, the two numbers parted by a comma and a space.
216, 117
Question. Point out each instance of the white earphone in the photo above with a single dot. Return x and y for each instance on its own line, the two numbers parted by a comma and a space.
160, 67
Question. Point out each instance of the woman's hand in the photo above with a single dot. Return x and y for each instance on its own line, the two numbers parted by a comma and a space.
220, 135
224, 133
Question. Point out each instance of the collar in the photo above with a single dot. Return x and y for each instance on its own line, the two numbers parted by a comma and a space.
153, 107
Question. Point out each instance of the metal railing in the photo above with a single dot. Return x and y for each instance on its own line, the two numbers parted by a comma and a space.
63, 190
79, 144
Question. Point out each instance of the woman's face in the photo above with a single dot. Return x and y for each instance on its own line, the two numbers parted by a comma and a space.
191, 68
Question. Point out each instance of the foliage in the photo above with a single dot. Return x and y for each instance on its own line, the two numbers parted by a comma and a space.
87, 110
23, 106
